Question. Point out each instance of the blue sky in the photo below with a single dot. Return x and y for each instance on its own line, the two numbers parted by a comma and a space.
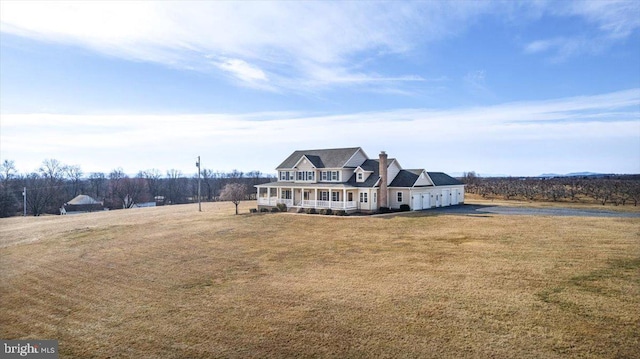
518, 88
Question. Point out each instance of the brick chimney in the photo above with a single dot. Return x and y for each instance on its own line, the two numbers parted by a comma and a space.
383, 202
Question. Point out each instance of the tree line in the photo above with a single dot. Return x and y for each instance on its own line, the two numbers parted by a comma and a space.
601, 189
55, 183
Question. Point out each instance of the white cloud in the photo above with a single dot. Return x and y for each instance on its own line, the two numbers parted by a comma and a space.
291, 42
588, 129
249, 74
614, 21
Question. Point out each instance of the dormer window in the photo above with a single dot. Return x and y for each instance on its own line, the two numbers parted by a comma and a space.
360, 177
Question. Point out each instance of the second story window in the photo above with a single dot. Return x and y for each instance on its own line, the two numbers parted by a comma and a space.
286, 176
306, 176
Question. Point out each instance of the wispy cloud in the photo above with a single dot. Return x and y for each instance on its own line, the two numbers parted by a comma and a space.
613, 22
249, 74
608, 123
312, 43
288, 44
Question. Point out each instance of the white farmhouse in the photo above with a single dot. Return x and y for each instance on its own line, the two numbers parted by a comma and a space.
346, 179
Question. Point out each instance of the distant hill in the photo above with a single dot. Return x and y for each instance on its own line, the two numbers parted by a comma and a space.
575, 174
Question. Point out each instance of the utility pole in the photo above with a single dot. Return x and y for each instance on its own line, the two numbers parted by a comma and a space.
24, 202
199, 197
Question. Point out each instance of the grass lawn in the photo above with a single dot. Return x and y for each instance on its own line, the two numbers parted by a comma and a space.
172, 282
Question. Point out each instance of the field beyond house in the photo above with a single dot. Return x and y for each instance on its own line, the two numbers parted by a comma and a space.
172, 282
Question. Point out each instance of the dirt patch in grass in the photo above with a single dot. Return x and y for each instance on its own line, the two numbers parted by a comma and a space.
174, 282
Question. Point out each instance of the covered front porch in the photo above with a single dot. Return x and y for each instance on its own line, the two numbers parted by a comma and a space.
317, 197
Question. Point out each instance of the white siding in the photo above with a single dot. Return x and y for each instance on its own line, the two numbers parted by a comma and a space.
393, 197
392, 171
423, 180
302, 166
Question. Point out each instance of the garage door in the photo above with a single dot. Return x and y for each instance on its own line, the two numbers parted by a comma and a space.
417, 202
446, 197
426, 200
454, 197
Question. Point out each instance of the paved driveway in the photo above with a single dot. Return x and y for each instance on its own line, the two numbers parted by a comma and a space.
467, 209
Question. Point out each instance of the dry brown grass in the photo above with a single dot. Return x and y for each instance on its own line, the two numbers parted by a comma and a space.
175, 283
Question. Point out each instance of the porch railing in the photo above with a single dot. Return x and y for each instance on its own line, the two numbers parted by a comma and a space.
329, 204
272, 201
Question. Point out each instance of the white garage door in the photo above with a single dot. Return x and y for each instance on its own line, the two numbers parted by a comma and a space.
454, 197
426, 200
446, 197
416, 203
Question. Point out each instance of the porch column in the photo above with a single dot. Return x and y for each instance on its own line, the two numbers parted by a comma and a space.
330, 199
344, 198
316, 198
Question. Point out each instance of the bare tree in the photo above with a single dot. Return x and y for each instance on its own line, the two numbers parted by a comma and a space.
97, 182
176, 186
8, 204
207, 180
234, 192
74, 175
153, 178
50, 183
39, 193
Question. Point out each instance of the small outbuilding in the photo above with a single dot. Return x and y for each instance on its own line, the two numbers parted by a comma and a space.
82, 203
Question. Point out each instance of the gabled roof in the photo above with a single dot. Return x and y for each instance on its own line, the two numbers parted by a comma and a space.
443, 179
328, 158
315, 161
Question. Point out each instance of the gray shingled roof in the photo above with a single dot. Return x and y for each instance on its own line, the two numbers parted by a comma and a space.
443, 179
328, 158
368, 165
405, 178
83, 199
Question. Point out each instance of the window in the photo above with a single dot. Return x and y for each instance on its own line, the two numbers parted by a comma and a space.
324, 196
286, 176
360, 176
305, 176
286, 194
306, 195
350, 196
399, 197
335, 196
363, 197
324, 175
334, 175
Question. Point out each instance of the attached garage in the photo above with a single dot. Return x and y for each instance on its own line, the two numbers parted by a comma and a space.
420, 201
